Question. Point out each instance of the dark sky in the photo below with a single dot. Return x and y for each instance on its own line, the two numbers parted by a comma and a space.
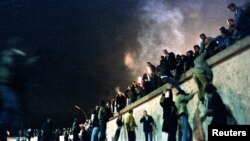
88, 47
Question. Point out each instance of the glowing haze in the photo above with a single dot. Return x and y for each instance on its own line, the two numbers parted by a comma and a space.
174, 26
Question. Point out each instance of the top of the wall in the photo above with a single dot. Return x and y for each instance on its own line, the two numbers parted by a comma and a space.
220, 57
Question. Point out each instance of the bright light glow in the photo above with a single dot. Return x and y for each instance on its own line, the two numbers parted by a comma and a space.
129, 61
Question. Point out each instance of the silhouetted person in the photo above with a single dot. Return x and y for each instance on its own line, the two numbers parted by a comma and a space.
75, 130
57, 135
66, 135
119, 124
102, 116
169, 115
215, 106
39, 135
120, 99
47, 130
29, 134
95, 124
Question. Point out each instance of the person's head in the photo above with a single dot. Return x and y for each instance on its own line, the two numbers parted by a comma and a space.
162, 58
183, 57
223, 31
145, 113
165, 52
134, 83
178, 57
210, 88
189, 53
196, 48
230, 22
203, 36
231, 7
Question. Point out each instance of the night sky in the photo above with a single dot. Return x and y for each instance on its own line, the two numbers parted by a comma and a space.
88, 47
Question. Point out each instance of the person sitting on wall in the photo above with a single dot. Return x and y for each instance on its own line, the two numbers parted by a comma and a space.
224, 40
242, 18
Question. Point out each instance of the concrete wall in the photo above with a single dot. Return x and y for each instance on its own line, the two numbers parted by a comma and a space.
230, 68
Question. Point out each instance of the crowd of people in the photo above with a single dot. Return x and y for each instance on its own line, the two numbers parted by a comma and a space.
169, 70
171, 66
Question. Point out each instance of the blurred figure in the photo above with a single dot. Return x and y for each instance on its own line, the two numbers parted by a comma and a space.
75, 130
130, 126
119, 124
232, 30
95, 124
242, 19
14, 75
65, 135
47, 129
189, 60
102, 116
148, 123
165, 67
169, 114
29, 134
120, 100
181, 101
223, 40
215, 106
208, 44
108, 110
196, 50
202, 73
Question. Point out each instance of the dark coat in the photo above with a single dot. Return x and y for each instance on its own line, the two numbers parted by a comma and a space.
169, 113
147, 123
